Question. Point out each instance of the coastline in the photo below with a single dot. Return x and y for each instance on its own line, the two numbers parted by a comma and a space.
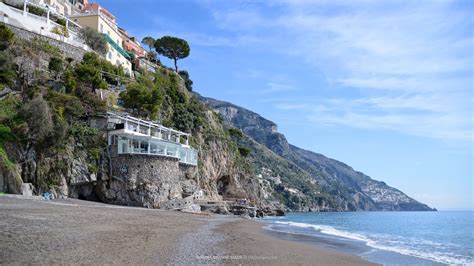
81, 232
248, 241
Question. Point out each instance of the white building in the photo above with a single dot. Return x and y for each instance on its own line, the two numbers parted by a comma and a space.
136, 136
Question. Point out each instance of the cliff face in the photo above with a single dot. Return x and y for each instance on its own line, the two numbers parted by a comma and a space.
324, 183
51, 136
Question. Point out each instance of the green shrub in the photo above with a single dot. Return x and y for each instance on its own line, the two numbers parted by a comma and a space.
37, 11
6, 37
94, 39
42, 45
188, 83
55, 66
60, 21
70, 80
7, 68
60, 30
244, 151
235, 132
143, 97
65, 106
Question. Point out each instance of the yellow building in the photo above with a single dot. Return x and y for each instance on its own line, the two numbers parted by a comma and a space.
103, 23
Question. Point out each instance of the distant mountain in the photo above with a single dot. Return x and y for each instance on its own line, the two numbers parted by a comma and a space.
304, 179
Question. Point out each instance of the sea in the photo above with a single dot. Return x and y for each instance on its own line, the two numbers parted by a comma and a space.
388, 238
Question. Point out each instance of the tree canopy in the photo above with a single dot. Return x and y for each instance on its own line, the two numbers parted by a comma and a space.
173, 48
150, 42
94, 39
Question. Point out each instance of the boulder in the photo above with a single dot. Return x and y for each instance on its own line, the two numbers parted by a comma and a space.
242, 210
27, 189
219, 209
193, 208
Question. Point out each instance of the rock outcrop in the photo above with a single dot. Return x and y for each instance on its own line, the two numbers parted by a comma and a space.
306, 180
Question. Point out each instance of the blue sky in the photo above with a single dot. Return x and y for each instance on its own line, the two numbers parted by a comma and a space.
384, 86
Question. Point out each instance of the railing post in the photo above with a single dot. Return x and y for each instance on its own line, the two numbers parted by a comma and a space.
25, 4
47, 18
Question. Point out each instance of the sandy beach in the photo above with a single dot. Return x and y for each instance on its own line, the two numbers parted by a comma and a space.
80, 232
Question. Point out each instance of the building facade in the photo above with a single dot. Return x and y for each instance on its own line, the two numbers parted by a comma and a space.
131, 44
101, 20
133, 136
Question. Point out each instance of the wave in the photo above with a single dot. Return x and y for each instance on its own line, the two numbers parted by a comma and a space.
390, 243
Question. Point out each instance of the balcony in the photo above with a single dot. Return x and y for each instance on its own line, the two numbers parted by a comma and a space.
136, 136
116, 46
134, 145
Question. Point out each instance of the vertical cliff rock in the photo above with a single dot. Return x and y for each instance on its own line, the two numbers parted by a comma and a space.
311, 180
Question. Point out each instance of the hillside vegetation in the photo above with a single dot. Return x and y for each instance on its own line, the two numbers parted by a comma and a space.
47, 101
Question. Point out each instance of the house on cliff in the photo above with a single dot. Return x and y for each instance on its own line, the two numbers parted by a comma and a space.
101, 20
134, 136
147, 165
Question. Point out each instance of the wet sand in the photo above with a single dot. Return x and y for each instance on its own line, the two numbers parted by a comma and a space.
81, 232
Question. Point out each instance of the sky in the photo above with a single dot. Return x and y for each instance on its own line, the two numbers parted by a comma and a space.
384, 86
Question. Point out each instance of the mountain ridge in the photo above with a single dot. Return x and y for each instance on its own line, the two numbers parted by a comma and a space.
348, 189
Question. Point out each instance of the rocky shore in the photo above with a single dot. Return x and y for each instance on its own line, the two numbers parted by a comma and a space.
80, 232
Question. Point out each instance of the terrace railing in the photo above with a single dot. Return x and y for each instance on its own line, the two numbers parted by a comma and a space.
185, 155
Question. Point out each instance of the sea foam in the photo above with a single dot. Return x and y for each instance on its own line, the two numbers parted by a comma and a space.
388, 243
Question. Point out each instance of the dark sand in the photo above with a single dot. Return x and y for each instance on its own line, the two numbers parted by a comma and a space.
80, 232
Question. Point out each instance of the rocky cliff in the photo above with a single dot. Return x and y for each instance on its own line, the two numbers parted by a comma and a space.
51, 136
309, 180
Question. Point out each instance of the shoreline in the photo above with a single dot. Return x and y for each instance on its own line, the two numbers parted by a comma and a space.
81, 232
251, 244
351, 246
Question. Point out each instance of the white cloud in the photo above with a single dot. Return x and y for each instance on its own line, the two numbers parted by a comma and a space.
273, 87
409, 65
289, 106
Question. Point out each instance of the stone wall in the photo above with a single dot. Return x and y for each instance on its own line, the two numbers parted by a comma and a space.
68, 50
148, 181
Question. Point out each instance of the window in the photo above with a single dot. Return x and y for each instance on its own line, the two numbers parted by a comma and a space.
109, 55
144, 147
102, 28
136, 146
153, 148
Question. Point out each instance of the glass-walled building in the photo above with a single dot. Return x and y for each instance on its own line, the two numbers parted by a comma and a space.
136, 136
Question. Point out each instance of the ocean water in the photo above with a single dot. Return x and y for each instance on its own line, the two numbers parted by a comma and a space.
389, 238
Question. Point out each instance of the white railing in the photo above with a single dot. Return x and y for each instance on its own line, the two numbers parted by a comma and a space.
185, 155
40, 25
